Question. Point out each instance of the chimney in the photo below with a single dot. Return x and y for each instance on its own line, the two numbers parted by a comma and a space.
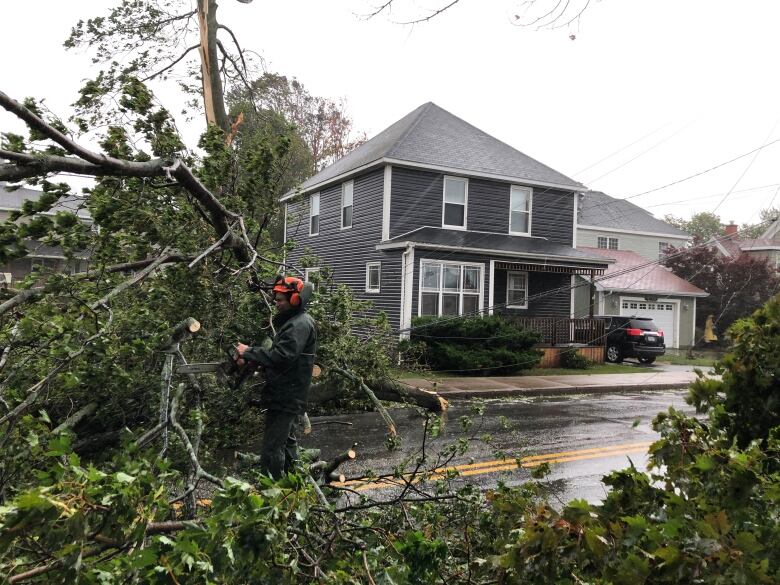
732, 229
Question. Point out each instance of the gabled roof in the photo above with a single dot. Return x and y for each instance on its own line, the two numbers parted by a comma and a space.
632, 272
539, 249
431, 136
601, 210
11, 200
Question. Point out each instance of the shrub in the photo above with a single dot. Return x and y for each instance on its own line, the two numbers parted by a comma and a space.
481, 346
571, 358
746, 400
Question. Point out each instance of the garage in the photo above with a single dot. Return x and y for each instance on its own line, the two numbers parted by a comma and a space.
663, 312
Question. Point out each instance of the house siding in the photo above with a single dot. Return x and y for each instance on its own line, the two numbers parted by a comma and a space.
347, 251
417, 196
645, 246
552, 305
557, 304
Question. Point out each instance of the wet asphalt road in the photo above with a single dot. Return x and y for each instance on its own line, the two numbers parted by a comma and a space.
583, 437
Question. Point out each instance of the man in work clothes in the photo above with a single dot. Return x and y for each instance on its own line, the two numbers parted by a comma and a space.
288, 365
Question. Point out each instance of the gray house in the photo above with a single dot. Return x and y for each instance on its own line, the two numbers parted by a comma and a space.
435, 217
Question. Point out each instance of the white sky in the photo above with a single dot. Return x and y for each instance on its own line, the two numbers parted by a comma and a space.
677, 86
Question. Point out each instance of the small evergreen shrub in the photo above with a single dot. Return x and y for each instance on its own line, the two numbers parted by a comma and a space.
478, 346
572, 359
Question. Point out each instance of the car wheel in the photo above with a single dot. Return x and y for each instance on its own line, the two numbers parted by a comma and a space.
646, 360
613, 354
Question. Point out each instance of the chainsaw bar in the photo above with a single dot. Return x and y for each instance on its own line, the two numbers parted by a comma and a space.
201, 368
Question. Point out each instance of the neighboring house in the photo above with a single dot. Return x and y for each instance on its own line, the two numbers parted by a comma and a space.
40, 254
435, 217
766, 246
635, 284
616, 224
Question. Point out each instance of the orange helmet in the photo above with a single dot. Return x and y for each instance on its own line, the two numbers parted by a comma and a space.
291, 285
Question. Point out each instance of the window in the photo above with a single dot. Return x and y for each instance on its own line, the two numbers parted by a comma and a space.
663, 250
314, 214
607, 243
517, 290
449, 288
347, 190
455, 200
373, 276
311, 274
520, 210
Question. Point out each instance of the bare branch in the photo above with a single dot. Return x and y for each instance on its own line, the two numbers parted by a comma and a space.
235, 42
172, 64
434, 14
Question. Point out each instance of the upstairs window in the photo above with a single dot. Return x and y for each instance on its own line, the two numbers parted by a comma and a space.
517, 290
607, 243
373, 276
346, 204
314, 214
663, 250
311, 274
455, 200
520, 211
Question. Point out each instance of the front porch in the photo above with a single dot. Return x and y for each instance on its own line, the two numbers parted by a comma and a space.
559, 334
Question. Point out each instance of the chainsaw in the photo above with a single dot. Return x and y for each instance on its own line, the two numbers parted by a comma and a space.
228, 369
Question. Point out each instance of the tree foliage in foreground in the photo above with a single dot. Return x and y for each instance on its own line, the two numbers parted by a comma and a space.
706, 512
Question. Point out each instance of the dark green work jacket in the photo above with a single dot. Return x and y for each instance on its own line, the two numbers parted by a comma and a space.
288, 363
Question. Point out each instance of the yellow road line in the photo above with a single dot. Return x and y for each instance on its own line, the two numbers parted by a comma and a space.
508, 465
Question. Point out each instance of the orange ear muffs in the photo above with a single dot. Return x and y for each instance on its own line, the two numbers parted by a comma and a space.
290, 284
295, 298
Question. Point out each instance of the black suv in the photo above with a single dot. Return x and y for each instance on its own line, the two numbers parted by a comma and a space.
637, 337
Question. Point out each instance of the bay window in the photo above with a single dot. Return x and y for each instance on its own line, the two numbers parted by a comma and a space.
449, 288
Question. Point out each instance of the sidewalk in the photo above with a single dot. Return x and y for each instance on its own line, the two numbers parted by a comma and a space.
497, 387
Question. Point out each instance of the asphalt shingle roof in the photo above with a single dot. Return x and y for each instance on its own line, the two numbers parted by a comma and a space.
489, 242
13, 199
643, 275
431, 135
599, 209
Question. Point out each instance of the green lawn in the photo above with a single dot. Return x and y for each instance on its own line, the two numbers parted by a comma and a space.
681, 360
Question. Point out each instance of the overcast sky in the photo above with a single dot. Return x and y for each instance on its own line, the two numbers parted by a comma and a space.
648, 93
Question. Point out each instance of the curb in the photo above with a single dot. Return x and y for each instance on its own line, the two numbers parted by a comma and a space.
561, 391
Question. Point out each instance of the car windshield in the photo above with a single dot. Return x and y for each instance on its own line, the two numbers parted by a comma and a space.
643, 324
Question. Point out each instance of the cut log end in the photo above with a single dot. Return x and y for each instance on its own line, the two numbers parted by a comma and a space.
337, 477
351, 454
193, 325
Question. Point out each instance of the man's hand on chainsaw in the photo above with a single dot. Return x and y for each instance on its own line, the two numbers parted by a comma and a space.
240, 349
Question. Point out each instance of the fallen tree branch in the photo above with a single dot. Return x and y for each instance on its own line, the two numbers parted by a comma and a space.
370, 393
76, 418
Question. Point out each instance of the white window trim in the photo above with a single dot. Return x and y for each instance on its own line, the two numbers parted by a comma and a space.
343, 191
307, 272
525, 305
465, 203
370, 265
530, 210
481, 302
311, 215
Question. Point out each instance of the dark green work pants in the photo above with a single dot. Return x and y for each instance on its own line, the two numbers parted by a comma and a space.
280, 447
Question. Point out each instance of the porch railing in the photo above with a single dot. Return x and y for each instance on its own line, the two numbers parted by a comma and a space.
563, 330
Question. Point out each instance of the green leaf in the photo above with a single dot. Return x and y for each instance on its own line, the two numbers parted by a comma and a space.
123, 477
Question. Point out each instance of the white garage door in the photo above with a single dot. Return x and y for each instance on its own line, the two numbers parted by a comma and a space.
664, 315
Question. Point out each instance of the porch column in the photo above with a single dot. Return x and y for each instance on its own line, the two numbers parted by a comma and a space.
491, 286
592, 293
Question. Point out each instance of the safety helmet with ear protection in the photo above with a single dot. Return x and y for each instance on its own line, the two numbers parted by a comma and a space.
292, 286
